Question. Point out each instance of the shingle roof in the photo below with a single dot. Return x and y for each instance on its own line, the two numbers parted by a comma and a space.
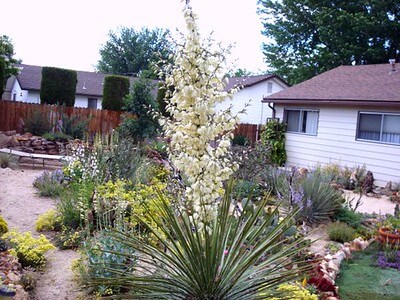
247, 81
89, 83
360, 84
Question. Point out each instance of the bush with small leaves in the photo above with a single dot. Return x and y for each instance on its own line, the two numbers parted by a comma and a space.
340, 232
29, 250
3, 226
49, 221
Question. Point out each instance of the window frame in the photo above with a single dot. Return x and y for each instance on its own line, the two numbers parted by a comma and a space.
92, 99
301, 119
379, 113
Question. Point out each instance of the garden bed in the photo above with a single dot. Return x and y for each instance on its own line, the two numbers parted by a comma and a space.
359, 279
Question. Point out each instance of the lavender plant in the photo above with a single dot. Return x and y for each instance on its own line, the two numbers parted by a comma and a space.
50, 184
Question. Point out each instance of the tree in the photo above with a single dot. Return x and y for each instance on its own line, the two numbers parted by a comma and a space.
58, 86
310, 37
2, 75
114, 91
7, 61
130, 52
140, 102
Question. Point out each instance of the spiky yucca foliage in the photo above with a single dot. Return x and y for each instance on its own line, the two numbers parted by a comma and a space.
236, 258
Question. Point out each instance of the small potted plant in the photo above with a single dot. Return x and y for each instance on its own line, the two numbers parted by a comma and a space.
390, 232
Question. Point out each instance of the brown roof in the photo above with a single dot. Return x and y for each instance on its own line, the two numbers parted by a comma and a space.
361, 85
89, 83
247, 81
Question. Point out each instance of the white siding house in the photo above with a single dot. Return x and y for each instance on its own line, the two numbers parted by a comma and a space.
25, 87
253, 90
349, 116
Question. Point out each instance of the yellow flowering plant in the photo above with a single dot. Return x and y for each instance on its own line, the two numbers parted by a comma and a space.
29, 250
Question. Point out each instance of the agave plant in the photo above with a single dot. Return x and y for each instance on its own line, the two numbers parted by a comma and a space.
231, 258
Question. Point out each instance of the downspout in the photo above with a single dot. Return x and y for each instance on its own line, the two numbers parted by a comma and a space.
273, 109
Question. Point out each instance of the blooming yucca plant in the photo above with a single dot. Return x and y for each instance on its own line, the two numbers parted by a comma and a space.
233, 259
208, 250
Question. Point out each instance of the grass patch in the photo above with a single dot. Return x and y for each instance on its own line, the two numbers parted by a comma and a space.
359, 279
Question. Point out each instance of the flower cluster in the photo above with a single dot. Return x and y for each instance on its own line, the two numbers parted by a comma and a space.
199, 135
388, 259
29, 250
83, 164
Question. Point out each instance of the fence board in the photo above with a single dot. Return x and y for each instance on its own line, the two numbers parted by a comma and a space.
100, 121
251, 131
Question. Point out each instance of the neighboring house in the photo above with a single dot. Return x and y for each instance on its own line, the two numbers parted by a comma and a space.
349, 115
253, 90
25, 87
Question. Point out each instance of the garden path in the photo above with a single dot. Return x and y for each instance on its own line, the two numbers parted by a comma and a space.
20, 207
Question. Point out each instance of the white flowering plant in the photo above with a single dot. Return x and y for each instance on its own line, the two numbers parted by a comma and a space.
200, 136
83, 164
210, 251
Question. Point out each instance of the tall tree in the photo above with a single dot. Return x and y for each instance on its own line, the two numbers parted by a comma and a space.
114, 91
132, 52
7, 60
58, 86
312, 36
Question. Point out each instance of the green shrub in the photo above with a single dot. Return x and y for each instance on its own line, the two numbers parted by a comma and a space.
100, 253
274, 137
240, 140
29, 250
252, 162
140, 103
50, 184
74, 126
312, 195
75, 204
246, 189
56, 136
70, 238
340, 232
348, 216
5, 160
37, 123
3, 226
49, 221
114, 91
58, 86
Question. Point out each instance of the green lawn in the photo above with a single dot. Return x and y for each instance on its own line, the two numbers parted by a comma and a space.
360, 280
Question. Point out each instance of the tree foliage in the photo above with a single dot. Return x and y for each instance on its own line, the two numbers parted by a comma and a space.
140, 102
58, 86
114, 91
130, 52
7, 61
310, 37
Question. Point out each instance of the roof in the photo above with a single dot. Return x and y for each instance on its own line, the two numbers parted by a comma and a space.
349, 85
89, 83
247, 81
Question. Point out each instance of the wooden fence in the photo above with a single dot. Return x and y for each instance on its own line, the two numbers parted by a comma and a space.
13, 113
251, 131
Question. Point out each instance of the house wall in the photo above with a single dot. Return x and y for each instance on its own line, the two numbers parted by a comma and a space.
257, 112
336, 142
82, 101
34, 97
18, 94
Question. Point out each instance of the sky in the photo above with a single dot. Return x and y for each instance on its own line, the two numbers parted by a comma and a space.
69, 33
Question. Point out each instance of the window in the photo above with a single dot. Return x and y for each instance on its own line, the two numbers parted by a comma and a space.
269, 87
92, 103
302, 121
379, 127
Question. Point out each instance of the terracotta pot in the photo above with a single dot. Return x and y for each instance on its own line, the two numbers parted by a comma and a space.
385, 235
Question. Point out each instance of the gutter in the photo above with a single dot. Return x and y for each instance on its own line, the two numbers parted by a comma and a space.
273, 109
